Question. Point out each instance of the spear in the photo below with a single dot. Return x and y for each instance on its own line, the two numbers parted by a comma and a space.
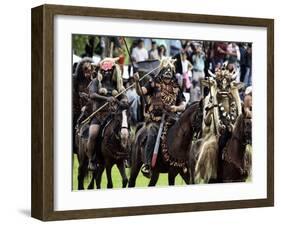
132, 62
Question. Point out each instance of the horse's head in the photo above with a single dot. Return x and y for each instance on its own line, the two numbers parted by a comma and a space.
225, 80
121, 119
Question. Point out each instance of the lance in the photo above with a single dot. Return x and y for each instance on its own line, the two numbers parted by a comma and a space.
104, 105
132, 62
156, 147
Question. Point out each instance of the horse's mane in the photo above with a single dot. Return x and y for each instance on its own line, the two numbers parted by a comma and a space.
238, 126
189, 109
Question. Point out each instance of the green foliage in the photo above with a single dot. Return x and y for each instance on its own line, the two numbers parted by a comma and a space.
78, 43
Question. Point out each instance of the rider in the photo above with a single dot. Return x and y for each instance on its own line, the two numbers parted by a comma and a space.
164, 94
102, 89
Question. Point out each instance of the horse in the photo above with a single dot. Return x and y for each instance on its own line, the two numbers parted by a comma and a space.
236, 162
179, 139
112, 147
232, 161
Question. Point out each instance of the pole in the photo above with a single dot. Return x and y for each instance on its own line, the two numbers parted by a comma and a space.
156, 147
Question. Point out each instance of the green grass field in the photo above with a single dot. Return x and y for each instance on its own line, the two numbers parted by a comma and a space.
141, 180
117, 180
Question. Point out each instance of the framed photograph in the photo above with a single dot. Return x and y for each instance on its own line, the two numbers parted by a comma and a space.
141, 112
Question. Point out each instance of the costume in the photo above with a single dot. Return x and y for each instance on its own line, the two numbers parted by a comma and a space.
102, 89
163, 91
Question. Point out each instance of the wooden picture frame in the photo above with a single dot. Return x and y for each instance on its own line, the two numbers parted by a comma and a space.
42, 203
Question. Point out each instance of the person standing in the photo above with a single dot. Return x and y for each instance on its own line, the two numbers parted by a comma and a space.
153, 52
248, 73
198, 60
139, 53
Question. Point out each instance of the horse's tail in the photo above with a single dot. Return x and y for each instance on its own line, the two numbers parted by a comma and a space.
193, 156
206, 166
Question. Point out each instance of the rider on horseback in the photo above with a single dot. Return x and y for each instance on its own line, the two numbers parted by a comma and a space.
102, 89
164, 95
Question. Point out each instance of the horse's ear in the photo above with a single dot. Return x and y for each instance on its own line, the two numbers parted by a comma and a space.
201, 102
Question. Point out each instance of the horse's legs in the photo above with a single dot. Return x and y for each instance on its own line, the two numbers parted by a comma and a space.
134, 173
191, 172
154, 178
171, 176
92, 183
121, 168
185, 176
82, 170
99, 176
108, 167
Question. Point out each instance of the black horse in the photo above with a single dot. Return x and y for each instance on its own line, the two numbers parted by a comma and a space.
179, 139
113, 147
236, 159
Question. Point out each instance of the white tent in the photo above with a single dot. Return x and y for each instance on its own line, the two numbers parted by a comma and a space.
75, 59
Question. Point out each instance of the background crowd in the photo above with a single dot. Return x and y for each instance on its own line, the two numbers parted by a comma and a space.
194, 59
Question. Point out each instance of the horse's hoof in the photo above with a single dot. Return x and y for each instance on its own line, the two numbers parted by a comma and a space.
146, 171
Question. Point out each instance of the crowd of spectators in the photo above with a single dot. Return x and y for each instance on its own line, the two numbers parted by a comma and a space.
194, 58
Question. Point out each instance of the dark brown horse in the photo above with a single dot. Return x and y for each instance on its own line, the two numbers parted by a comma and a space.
112, 148
179, 140
236, 158
81, 138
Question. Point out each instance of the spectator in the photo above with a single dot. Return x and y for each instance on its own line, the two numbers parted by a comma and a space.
175, 47
186, 72
139, 53
195, 92
162, 52
198, 60
153, 52
248, 101
220, 53
243, 55
233, 53
133, 98
248, 64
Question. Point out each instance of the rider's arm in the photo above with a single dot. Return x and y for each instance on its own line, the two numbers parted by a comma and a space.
178, 108
97, 96
93, 91
181, 107
141, 90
